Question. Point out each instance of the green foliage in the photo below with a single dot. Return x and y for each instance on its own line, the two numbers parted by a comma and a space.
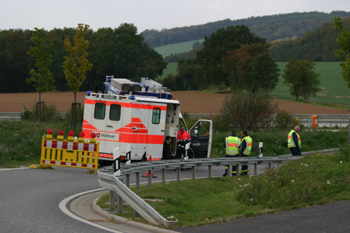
275, 140
316, 179
271, 27
250, 68
302, 79
41, 78
318, 45
50, 113
343, 54
216, 46
76, 65
248, 111
283, 120
123, 53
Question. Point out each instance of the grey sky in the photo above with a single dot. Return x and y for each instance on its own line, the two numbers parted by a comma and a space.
150, 14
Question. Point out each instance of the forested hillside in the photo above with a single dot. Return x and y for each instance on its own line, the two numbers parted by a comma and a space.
271, 27
318, 45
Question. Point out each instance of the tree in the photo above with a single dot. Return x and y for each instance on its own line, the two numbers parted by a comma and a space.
247, 111
216, 46
41, 78
123, 53
343, 54
301, 77
76, 64
251, 68
186, 72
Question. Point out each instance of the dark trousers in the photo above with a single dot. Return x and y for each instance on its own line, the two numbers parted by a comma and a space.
234, 170
295, 151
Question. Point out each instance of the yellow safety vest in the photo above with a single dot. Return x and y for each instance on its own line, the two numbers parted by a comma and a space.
248, 148
291, 141
232, 144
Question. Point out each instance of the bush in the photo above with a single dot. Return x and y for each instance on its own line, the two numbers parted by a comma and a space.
50, 113
284, 121
249, 111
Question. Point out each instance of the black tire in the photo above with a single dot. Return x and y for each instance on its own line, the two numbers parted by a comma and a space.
191, 154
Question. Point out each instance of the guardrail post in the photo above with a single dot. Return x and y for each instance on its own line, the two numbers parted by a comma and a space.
229, 170
163, 175
193, 172
178, 174
120, 204
136, 214
127, 180
137, 180
209, 171
111, 200
238, 169
255, 169
149, 178
269, 165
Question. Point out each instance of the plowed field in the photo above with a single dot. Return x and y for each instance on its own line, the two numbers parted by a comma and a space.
191, 102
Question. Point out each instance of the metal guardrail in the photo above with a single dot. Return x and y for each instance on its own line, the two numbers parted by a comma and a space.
10, 116
115, 184
328, 120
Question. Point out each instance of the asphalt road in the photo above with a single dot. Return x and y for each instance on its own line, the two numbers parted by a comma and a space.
30, 197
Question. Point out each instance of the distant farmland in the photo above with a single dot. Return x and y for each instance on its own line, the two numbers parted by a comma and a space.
334, 89
166, 50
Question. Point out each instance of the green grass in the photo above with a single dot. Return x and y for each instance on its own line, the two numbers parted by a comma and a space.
312, 180
166, 50
20, 141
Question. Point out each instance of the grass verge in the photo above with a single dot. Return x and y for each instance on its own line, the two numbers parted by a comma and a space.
313, 180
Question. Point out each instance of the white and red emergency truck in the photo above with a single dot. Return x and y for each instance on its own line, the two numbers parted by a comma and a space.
139, 116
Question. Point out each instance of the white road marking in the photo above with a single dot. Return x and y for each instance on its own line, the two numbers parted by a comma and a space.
63, 208
10, 169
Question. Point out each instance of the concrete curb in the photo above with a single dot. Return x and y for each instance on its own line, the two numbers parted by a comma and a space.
126, 221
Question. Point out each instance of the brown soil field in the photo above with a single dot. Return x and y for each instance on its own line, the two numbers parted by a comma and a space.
191, 102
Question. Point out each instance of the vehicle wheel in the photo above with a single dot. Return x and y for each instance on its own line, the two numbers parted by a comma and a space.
190, 154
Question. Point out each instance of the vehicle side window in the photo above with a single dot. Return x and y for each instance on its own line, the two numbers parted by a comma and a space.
156, 116
100, 111
114, 113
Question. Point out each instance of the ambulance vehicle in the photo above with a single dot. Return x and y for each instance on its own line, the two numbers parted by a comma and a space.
139, 116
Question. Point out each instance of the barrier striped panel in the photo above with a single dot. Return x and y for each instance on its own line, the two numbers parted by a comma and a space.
69, 154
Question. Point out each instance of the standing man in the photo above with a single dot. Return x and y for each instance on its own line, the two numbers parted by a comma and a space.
294, 141
231, 145
246, 149
182, 139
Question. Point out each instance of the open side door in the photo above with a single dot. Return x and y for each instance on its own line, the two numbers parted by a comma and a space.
201, 136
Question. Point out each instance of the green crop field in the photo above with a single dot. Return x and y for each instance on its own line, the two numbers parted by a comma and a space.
334, 89
166, 50
170, 69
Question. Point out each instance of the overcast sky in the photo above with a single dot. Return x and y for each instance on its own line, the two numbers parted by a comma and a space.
150, 14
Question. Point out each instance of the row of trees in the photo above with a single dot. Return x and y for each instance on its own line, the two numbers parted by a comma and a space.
271, 27
121, 52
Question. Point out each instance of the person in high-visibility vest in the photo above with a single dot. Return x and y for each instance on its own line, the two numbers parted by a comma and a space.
231, 145
246, 149
294, 141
